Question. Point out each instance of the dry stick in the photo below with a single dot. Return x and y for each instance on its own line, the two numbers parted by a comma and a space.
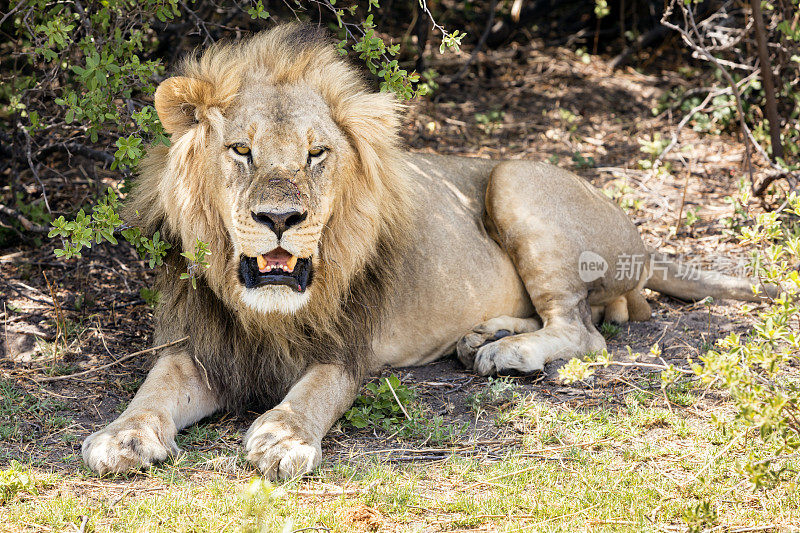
683, 201
84, 521
121, 359
397, 399
687, 38
766, 79
59, 319
19, 217
754, 528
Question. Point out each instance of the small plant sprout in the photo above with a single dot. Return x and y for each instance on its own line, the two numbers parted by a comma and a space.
610, 330
583, 162
497, 391
692, 217
196, 261
390, 406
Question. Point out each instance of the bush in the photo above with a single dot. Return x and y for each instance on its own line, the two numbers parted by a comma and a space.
752, 368
84, 73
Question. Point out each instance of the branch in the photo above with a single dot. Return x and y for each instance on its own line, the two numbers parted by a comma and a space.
112, 363
16, 7
23, 221
481, 43
766, 79
749, 140
79, 149
28, 141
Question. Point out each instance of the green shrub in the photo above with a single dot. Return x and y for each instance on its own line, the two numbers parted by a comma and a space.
392, 407
752, 367
383, 404
86, 72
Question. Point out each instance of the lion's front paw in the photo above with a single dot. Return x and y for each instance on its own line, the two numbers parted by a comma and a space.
131, 442
279, 446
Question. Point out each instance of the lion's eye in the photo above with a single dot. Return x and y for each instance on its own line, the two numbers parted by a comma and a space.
241, 150
315, 152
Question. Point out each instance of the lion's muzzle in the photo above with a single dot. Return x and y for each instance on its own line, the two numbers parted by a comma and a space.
277, 267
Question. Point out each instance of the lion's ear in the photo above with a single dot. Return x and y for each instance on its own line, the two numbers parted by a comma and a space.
181, 102
372, 121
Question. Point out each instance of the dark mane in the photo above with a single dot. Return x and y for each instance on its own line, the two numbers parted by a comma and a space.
255, 369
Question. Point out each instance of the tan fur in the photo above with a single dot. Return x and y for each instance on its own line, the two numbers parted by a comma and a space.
408, 253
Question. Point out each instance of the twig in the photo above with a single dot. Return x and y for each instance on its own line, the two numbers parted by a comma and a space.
24, 222
766, 80
24, 295
59, 319
121, 359
21, 127
397, 400
683, 201
11, 12
436, 26
5, 331
479, 46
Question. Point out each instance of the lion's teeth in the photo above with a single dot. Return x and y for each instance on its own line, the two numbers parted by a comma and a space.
291, 263
262, 263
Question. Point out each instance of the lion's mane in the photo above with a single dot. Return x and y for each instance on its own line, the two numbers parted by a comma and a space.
249, 358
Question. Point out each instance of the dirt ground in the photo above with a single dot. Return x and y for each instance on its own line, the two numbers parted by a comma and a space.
82, 315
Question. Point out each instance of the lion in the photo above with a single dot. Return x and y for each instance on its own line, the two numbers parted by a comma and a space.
335, 252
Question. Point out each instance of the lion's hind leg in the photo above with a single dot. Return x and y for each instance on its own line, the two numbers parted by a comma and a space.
544, 218
632, 306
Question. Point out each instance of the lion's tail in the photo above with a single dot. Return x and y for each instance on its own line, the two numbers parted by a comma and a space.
691, 283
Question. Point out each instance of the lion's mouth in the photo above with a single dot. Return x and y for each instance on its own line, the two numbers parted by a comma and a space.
277, 267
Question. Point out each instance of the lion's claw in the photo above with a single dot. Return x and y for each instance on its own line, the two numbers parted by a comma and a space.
469, 345
503, 356
474, 349
130, 443
276, 446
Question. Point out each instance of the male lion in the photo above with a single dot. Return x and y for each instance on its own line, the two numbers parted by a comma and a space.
335, 252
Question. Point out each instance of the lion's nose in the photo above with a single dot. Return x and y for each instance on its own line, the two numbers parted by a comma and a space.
279, 222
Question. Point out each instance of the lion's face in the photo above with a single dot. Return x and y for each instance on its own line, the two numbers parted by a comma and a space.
285, 164
279, 158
